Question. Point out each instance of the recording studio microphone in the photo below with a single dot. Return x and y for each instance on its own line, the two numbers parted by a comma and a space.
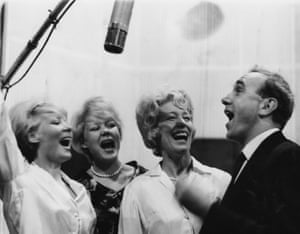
118, 26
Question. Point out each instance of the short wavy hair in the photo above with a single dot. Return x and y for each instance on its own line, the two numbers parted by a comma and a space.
25, 119
96, 106
147, 115
277, 87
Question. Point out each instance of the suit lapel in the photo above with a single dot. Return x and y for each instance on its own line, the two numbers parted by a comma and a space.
254, 168
260, 157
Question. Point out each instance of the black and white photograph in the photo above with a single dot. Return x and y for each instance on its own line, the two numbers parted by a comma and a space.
149, 116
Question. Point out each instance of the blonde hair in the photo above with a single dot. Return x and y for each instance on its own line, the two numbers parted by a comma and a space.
25, 119
147, 113
94, 106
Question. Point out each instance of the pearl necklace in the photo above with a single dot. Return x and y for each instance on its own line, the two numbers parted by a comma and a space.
107, 175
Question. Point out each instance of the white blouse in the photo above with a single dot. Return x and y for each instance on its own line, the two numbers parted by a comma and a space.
149, 204
34, 202
3, 226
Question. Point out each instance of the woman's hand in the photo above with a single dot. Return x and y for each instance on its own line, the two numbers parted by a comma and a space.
196, 192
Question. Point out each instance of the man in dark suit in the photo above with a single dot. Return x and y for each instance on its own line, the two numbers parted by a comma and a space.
264, 195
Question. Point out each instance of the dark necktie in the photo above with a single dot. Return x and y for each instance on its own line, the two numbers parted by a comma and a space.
237, 166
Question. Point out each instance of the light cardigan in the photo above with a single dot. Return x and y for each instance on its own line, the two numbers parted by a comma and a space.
34, 202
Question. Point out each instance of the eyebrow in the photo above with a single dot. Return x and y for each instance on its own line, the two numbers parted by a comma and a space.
56, 113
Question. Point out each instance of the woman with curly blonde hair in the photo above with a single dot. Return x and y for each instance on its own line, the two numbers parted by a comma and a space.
98, 134
150, 205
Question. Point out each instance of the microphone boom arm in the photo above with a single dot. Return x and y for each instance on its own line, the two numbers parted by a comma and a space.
32, 44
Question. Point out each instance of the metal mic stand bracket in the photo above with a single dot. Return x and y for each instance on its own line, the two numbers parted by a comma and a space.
32, 44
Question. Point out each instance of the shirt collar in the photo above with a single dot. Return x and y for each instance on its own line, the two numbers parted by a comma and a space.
249, 149
157, 171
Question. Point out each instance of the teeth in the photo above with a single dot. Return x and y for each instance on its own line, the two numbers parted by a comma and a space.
181, 135
229, 114
66, 141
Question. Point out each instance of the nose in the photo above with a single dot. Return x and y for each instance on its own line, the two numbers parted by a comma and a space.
186, 124
67, 127
181, 121
226, 100
104, 130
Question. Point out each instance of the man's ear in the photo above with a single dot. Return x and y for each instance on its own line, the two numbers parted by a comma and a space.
267, 106
33, 137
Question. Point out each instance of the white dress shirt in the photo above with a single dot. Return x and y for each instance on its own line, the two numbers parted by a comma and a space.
252, 145
34, 202
149, 204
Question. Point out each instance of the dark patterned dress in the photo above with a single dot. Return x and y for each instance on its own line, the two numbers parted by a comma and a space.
106, 201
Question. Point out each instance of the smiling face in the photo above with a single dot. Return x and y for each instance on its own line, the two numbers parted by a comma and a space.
102, 138
53, 136
176, 129
243, 106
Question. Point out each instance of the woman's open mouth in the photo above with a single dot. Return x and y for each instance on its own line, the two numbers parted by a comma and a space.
66, 141
108, 144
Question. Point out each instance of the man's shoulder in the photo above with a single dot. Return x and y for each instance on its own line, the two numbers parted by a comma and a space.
287, 148
283, 143
287, 152
274, 142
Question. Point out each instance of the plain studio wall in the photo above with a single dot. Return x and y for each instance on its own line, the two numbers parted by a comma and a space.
199, 46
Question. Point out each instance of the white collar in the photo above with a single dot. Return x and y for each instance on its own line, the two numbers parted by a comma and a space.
252, 145
157, 170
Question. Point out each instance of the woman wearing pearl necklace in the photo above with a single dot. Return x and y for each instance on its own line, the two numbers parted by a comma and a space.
97, 134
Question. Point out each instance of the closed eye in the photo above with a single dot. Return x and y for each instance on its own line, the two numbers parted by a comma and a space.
238, 90
111, 124
239, 87
94, 128
55, 122
171, 118
187, 118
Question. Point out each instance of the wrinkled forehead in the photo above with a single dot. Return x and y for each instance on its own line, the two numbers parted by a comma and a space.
252, 79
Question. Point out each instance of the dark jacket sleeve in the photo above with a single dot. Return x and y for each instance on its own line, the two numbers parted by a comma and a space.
281, 211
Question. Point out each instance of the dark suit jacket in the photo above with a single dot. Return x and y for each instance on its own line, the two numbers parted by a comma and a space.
265, 199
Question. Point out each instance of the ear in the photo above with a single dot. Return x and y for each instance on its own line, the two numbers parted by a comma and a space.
86, 152
193, 134
153, 134
33, 137
83, 146
267, 106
